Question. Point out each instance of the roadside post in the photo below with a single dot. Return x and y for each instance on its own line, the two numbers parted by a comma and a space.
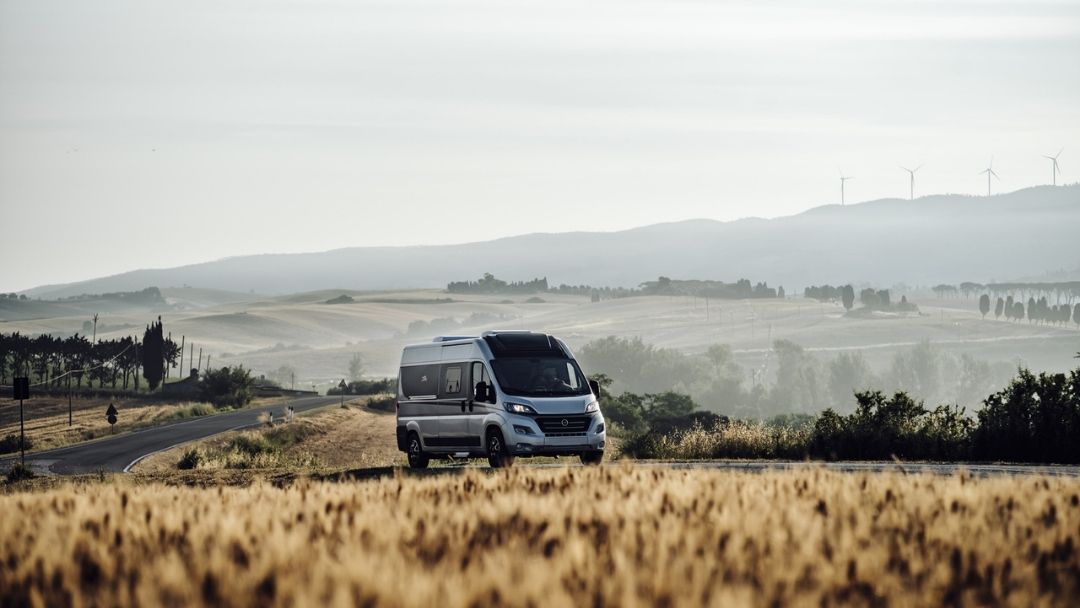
343, 387
21, 391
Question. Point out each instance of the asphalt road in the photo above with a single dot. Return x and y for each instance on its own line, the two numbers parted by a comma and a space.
122, 451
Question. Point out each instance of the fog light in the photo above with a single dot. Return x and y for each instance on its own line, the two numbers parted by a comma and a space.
600, 445
522, 430
524, 447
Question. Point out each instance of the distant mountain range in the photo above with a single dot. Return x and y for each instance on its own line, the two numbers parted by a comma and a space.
934, 239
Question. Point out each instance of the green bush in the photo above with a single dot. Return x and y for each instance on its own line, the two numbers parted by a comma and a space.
900, 426
227, 387
10, 443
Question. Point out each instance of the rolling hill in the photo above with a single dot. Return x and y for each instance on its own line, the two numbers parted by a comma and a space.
943, 238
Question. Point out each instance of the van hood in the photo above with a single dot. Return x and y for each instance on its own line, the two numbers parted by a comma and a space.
554, 405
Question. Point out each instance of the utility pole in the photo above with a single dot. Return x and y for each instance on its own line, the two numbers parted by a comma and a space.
69, 397
94, 341
182, 374
200, 361
208, 362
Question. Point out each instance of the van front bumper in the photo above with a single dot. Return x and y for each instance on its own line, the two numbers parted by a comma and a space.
537, 443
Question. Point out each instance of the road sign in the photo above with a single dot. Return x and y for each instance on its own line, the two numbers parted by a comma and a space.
342, 385
22, 388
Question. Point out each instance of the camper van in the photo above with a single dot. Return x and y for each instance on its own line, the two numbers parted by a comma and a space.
501, 395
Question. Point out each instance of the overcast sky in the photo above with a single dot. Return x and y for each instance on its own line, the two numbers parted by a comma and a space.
140, 134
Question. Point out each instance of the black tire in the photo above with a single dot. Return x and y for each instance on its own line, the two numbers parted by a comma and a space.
415, 451
592, 458
499, 456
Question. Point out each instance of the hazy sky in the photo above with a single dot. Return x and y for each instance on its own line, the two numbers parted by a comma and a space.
147, 134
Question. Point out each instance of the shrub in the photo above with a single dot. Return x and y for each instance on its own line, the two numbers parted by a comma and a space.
251, 445
884, 427
194, 410
1034, 418
10, 443
18, 472
383, 403
191, 459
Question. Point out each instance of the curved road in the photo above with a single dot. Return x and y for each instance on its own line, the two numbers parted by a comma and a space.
119, 453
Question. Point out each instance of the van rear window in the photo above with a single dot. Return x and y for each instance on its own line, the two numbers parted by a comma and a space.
420, 381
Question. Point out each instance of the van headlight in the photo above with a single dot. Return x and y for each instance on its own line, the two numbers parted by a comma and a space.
592, 406
518, 408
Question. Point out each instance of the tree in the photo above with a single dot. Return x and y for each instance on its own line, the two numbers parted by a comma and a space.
848, 296
848, 372
870, 298
227, 387
356, 368
1076, 314
283, 376
984, 304
152, 353
999, 307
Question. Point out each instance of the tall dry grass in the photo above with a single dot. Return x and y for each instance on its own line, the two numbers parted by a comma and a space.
613, 536
735, 439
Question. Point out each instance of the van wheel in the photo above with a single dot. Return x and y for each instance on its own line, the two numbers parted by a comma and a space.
592, 458
499, 456
417, 458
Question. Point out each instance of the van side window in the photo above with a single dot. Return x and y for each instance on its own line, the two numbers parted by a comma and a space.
452, 381
420, 381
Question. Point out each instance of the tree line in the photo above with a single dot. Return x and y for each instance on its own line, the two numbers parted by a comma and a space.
741, 289
1037, 311
790, 379
50, 360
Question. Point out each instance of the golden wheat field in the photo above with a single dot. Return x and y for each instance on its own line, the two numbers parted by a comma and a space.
614, 536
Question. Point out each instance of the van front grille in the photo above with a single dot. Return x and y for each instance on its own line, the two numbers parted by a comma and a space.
564, 426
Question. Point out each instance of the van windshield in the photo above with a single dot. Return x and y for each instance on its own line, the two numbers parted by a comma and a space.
539, 376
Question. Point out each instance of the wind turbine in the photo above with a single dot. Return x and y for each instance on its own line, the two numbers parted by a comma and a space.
912, 172
990, 171
842, 180
1054, 169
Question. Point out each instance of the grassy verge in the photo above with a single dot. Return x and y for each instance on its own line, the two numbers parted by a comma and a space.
331, 439
47, 418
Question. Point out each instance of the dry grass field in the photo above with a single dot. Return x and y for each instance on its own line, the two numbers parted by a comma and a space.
615, 536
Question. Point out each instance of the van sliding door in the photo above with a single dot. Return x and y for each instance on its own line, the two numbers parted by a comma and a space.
454, 418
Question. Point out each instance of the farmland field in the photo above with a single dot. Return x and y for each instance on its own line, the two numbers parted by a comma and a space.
583, 536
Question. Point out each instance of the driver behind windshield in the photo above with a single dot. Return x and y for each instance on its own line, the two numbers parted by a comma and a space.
549, 380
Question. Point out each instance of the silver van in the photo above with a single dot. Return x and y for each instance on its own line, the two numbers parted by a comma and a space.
500, 395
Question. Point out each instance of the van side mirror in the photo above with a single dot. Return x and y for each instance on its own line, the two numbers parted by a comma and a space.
594, 386
481, 392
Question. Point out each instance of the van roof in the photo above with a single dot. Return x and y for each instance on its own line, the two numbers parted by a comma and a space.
498, 343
